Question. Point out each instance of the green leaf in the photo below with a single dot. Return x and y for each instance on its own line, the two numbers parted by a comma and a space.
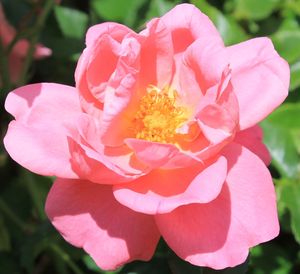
282, 148
295, 76
281, 130
254, 9
125, 12
290, 195
287, 116
229, 29
73, 23
293, 6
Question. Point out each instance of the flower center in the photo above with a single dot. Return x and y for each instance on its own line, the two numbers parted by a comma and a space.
158, 116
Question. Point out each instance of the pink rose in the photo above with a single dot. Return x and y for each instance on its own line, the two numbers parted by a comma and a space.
159, 138
19, 51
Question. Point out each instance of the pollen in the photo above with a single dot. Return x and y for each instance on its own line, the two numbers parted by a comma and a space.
159, 116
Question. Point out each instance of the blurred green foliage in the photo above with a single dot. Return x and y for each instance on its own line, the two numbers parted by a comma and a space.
28, 242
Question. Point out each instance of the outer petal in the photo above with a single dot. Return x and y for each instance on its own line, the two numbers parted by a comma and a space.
252, 138
88, 216
218, 234
162, 191
260, 78
38, 138
187, 23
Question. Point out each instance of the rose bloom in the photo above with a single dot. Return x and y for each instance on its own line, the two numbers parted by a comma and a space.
19, 51
158, 139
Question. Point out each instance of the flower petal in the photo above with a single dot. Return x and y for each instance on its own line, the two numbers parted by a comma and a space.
157, 54
158, 155
218, 234
116, 32
260, 78
162, 191
252, 138
94, 162
88, 216
187, 23
122, 95
38, 138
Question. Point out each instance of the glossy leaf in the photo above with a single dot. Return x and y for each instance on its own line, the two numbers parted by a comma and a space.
295, 76
290, 196
255, 9
73, 23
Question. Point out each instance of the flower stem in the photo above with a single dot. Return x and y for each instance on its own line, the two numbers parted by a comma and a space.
34, 39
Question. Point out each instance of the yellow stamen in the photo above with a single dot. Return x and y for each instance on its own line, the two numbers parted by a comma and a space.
159, 116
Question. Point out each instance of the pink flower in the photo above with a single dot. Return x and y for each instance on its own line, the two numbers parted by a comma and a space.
159, 138
19, 51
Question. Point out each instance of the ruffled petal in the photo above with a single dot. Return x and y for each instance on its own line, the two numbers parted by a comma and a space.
158, 155
88, 216
218, 234
162, 191
92, 100
94, 162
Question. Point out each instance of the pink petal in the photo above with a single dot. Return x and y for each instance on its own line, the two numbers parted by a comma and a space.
260, 78
157, 155
187, 23
88, 216
115, 30
218, 234
38, 138
42, 52
122, 95
252, 138
162, 191
198, 60
102, 63
94, 162
217, 114
157, 62
7, 32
